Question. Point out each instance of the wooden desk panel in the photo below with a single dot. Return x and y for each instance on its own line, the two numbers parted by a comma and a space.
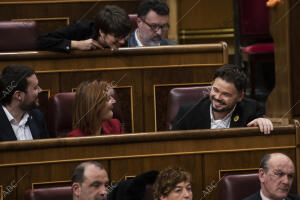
205, 153
139, 69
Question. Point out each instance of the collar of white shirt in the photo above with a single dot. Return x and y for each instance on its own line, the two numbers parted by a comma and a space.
137, 39
20, 129
220, 123
263, 196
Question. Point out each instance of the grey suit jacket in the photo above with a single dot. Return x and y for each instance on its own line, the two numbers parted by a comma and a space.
131, 41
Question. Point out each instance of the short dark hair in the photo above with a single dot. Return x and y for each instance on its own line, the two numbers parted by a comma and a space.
233, 74
167, 181
77, 176
113, 20
160, 7
13, 78
264, 162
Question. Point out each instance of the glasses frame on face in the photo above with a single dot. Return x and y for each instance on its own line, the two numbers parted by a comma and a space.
156, 27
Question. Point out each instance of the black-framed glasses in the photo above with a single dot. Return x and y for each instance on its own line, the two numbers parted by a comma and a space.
156, 27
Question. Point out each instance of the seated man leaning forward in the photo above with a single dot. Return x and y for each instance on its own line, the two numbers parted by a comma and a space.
173, 184
92, 111
276, 174
19, 118
108, 30
89, 181
225, 107
153, 25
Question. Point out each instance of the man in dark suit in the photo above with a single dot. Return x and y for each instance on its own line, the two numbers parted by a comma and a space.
225, 107
153, 25
19, 118
276, 174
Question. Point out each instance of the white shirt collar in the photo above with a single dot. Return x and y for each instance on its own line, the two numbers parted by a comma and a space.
220, 123
263, 197
139, 43
12, 120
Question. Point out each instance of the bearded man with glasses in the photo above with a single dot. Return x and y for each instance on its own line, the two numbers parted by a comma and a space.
153, 25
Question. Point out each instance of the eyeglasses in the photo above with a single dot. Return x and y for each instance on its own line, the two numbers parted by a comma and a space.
156, 27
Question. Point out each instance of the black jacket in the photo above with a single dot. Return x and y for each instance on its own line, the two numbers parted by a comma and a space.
60, 40
36, 123
197, 116
257, 196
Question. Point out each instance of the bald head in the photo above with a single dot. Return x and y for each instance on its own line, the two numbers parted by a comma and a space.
276, 175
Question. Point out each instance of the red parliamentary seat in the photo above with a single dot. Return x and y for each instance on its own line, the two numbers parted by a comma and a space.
256, 41
183, 95
56, 193
239, 186
259, 48
60, 110
18, 35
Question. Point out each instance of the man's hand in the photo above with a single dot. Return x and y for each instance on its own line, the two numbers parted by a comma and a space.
88, 44
265, 125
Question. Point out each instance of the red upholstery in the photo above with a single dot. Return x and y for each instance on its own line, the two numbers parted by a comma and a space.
55, 193
237, 187
60, 109
254, 18
133, 21
182, 95
18, 36
254, 31
259, 48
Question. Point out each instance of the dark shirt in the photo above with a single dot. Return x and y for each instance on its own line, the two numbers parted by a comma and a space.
60, 40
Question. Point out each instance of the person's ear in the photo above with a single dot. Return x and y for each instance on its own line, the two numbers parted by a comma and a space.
261, 175
18, 95
241, 96
76, 189
163, 197
139, 21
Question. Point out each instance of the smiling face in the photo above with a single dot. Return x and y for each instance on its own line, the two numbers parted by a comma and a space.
182, 191
106, 112
111, 41
224, 96
276, 182
30, 99
147, 35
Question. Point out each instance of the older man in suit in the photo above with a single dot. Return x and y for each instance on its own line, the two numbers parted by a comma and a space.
276, 174
19, 118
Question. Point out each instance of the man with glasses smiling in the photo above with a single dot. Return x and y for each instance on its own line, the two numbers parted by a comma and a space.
153, 25
276, 174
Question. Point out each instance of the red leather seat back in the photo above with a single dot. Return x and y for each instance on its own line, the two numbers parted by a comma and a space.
55, 193
59, 116
60, 109
18, 36
183, 95
237, 187
133, 21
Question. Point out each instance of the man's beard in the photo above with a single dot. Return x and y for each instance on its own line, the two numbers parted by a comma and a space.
220, 110
154, 41
29, 107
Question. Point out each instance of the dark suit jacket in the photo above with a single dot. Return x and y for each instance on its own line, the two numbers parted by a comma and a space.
257, 196
36, 124
197, 116
131, 41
